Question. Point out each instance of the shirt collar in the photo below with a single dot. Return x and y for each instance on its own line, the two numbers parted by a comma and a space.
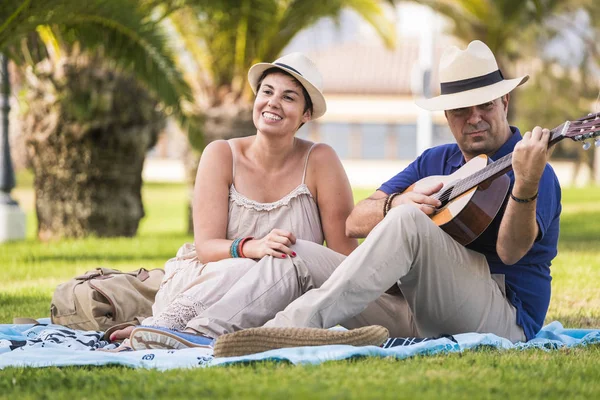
457, 160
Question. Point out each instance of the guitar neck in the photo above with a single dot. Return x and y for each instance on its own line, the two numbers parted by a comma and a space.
500, 166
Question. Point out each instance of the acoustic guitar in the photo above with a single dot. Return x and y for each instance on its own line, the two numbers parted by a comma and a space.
473, 195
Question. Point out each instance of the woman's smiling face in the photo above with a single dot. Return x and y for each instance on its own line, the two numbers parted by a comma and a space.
279, 106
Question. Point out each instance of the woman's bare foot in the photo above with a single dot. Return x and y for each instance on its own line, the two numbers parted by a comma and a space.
121, 333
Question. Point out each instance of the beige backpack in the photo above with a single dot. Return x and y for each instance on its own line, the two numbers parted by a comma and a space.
104, 298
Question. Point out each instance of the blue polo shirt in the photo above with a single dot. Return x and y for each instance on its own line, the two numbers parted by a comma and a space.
527, 281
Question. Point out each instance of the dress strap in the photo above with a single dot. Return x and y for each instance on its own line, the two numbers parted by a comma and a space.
306, 162
233, 160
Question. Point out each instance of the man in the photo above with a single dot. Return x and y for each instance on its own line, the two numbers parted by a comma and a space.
499, 283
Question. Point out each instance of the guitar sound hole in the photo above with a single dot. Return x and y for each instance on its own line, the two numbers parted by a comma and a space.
444, 197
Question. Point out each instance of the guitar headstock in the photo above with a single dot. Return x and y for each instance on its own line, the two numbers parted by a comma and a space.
580, 130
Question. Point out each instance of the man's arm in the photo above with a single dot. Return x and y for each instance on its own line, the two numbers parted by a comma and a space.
519, 229
365, 215
369, 212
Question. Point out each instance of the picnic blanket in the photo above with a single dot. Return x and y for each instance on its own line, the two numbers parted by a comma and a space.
45, 345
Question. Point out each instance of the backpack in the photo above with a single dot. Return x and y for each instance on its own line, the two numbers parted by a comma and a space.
104, 297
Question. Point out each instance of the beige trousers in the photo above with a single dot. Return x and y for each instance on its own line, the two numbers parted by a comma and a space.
445, 288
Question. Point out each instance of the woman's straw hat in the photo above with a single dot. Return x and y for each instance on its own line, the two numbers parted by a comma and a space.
301, 68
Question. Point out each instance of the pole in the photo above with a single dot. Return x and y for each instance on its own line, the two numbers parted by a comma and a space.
12, 218
424, 118
7, 174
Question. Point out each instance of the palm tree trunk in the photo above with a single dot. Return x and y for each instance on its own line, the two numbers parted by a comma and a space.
225, 121
88, 129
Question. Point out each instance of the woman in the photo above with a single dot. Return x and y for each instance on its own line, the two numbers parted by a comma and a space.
257, 196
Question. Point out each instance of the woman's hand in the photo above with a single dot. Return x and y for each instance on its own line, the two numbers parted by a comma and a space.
277, 244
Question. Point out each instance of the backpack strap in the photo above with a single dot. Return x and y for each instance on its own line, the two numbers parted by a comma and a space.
24, 321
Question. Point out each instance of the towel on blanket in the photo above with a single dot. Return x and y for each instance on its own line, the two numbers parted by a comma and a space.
53, 345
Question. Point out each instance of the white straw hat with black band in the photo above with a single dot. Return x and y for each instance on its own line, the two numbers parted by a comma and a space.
301, 68
468, 78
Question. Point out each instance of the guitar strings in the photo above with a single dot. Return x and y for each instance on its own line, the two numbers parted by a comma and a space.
480, 176
473, 180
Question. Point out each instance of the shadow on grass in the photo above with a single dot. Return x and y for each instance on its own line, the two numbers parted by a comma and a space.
151, 248
580, 228
576, 320
105, 258
32, 304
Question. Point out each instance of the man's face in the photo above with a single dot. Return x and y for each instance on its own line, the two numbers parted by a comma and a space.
480, 129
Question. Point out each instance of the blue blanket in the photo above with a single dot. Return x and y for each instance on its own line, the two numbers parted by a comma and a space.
47, 345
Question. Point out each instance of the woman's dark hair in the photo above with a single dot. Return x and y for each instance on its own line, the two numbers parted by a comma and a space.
307, 101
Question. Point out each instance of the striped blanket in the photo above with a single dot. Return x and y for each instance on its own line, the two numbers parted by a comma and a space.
44, 345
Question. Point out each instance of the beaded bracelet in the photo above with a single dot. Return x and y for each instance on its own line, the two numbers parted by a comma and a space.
388, 202
518, 200
233, 250
385, 204
241, 245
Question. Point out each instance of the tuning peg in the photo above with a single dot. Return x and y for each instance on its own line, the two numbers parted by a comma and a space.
586, 145
597, 142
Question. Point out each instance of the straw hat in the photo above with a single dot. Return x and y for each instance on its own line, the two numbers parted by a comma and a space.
301, 68
468, 78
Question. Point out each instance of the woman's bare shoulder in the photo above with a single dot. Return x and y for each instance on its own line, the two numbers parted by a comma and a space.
217, 160
322, 153
217, 149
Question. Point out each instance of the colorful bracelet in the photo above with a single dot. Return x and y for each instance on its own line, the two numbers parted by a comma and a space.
241, 245
233, 250
518, 200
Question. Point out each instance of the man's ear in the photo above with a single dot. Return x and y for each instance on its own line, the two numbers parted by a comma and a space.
505, 100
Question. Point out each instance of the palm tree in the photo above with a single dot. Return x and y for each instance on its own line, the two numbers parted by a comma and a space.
88, 122
223, 39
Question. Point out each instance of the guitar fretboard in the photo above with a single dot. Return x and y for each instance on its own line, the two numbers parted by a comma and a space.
489, 172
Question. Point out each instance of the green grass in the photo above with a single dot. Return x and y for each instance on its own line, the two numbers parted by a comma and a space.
30, 271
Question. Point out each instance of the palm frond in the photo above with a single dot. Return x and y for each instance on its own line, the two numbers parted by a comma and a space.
301, 14
228, 36
121, 29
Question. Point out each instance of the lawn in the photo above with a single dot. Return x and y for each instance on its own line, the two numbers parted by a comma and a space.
31, 270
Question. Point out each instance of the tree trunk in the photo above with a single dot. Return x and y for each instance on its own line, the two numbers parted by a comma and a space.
88, 129
225, 121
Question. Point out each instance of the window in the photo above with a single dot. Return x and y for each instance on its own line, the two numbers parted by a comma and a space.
338, 136
406, 141
373, 141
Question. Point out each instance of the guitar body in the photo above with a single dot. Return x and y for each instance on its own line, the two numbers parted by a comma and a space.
479, 188
468, 215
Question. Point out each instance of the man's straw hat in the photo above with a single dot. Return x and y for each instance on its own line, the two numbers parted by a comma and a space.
468, 78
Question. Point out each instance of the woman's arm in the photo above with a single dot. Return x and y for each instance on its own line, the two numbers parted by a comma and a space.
210, 204
211, 207
333, 195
